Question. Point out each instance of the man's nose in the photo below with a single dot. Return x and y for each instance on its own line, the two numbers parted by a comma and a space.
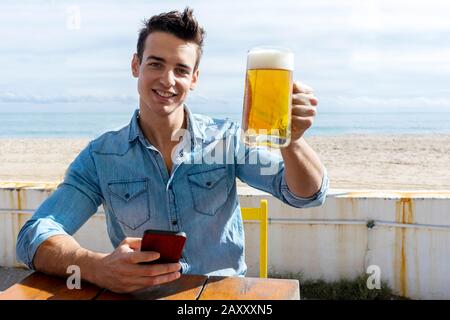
168, 78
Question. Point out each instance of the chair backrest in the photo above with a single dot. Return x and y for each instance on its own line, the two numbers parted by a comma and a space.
260, 214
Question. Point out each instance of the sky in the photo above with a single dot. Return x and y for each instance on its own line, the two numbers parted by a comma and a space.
357, 55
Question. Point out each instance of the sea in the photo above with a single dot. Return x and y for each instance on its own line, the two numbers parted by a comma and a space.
90, 124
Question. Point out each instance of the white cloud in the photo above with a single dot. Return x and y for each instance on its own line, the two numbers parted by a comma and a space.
10, 97
436, 61
400, 16
399, 42
421, 102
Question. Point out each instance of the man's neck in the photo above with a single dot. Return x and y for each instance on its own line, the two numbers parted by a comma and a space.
159, 129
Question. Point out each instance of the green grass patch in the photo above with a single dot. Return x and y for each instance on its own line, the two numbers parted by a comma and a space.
345, 289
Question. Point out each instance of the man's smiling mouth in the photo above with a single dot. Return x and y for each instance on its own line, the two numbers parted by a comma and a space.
164, 94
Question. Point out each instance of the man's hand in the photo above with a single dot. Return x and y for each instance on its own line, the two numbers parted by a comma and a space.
303, 169
303, 110
121, 272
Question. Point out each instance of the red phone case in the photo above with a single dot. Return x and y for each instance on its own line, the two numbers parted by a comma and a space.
169, 244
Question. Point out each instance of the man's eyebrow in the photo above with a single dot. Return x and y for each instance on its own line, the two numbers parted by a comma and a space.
163, 60
184, 66
156, 58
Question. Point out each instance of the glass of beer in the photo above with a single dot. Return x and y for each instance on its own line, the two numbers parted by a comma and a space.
266, 117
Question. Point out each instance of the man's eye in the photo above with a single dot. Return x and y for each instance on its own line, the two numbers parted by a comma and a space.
182, 71
154, 64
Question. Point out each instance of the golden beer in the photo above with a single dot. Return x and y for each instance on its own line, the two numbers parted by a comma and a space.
266, 118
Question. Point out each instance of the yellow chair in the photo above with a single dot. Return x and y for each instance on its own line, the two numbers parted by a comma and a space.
261, 214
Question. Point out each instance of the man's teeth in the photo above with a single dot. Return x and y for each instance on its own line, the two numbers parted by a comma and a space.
164, 94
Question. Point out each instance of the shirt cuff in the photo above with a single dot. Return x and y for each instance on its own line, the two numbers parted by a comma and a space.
32, 236
35, 245
184, 266
305, 202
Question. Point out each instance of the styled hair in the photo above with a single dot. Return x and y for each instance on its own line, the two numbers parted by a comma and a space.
182, 25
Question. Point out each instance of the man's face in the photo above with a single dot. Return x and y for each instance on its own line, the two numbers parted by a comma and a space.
166, 72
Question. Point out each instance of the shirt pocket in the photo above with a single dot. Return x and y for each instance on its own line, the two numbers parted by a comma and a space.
130, 202
209, 190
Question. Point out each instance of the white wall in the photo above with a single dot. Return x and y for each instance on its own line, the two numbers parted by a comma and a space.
410, 239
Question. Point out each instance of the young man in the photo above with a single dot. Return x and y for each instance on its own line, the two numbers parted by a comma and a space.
146, 179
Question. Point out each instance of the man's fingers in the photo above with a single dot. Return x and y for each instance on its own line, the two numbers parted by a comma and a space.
159, 269
144, 282
138, 283
304, 99
142, 256
302, 122
300, 87
304, 111
153, 281
133, 243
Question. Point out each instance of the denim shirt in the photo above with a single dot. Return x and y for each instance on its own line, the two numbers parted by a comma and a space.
123, 172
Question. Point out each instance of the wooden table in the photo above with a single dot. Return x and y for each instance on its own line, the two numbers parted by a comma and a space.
39, 286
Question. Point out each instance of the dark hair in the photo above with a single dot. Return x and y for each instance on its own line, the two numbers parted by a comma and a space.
183, 25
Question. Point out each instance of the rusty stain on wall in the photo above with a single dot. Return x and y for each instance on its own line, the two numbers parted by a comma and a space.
354, 206
404, 211
11, 197
19, 200
404, 214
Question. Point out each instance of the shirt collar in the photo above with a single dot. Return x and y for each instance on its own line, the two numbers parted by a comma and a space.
134, 127
191, 124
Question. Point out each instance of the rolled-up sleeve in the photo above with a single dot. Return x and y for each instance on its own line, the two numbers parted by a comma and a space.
317, 199
264, 170
75, 200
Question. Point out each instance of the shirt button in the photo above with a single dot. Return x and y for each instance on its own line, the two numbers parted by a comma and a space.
127, 195
208, 183
174, 222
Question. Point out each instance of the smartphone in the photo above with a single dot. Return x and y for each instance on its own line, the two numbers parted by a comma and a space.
169, 244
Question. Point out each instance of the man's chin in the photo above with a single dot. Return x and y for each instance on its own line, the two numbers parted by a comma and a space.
163, 109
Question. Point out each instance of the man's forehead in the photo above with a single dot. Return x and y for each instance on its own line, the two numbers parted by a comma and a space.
168, 46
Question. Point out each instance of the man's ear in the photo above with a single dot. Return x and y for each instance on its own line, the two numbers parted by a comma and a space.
194, 79
135, 63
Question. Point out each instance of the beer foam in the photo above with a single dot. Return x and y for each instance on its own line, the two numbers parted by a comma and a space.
267, 58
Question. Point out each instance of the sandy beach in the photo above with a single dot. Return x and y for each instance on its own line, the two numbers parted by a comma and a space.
406, 162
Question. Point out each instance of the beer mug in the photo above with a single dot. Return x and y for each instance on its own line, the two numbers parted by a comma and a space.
266, 117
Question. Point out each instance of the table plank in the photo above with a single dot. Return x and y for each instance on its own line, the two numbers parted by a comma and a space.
240, 288
187, 287
39, 286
